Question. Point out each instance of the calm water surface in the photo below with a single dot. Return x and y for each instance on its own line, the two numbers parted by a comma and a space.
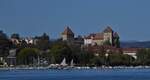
99, 74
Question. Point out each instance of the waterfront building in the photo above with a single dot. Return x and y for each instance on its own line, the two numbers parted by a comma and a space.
69, 36
108, 36
27, 40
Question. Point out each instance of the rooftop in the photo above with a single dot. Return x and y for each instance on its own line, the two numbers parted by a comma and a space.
108, 29
67, 31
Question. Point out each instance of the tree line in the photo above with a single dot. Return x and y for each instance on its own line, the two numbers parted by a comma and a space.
53, 52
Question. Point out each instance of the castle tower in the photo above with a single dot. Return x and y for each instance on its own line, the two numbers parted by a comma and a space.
108, 34
67, 35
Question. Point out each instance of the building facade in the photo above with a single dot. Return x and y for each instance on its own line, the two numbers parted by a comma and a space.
67, 34
108, 36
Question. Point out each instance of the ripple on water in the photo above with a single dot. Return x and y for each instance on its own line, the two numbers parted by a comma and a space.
91, 74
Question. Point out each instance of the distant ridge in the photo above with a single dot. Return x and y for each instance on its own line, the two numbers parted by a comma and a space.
135, 44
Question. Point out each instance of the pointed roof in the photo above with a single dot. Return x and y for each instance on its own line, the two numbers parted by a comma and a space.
67, 31
116, 34
108, 29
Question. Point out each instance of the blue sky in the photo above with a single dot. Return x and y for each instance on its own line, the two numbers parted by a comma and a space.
130, 18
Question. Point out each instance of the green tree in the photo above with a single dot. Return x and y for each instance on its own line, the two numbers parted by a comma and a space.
120, 59
99, 60
143, 57
43, 42
84, 58
59, 51
15, 36
27, 56
116, 41
5, 44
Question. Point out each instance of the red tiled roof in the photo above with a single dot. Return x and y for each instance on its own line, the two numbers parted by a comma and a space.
90, 36
97, 36
67, 31
130, 49
105, 48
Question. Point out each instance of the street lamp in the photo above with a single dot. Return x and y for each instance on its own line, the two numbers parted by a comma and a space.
106, 55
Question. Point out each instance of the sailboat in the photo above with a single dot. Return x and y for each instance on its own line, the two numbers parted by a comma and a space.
63, 63
72, 64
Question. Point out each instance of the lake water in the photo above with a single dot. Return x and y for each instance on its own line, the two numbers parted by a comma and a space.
92, 74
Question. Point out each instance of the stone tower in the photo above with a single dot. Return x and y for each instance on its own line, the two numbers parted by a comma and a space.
108, 35
67, 35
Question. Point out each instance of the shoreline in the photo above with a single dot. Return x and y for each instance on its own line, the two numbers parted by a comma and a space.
73, 68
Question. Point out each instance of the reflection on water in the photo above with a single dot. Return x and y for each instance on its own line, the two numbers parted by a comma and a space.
97, 74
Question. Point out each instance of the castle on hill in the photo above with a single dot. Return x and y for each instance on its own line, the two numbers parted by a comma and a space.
107, 36
67, 34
